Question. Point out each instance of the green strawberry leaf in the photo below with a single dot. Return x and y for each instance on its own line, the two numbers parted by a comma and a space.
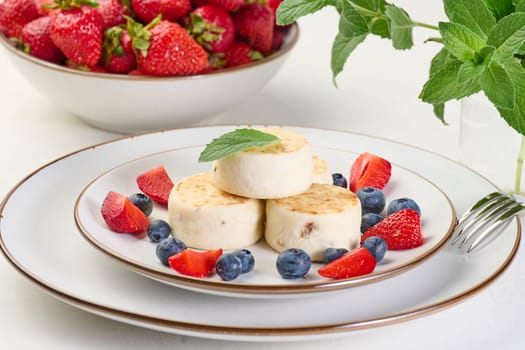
508, 36
234, 142
515, 117
498, 86
469, 70
290, 10
342, 47
473, 14
460, 40
500, 8
351, 22
400, 27
440, 59
443, 84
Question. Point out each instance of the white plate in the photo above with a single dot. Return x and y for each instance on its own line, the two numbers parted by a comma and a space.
38, 236
438, 220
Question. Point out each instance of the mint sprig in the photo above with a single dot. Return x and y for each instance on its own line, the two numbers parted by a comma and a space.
483, 47
234, 142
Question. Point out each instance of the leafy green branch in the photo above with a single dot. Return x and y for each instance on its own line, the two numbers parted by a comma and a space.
483, 47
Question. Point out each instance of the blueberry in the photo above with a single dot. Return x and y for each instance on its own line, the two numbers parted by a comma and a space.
339, 180
376, 246
143, 202
169, 247
158, 230
330, 254
293, 263
402, 203
372, 200
247, 259
368, 220
228, 267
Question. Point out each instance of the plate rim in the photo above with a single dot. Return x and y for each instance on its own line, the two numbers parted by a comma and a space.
235, 289
252, 333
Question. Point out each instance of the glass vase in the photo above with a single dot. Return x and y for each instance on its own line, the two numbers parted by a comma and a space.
488, 145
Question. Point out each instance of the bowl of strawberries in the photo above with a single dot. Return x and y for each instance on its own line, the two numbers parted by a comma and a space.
140, 65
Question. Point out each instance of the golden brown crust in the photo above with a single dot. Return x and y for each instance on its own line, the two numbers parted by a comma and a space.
320, 199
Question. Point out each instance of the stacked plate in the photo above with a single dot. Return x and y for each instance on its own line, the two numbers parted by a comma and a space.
52, 232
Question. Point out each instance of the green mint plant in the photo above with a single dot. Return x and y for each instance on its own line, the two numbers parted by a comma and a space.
483, 49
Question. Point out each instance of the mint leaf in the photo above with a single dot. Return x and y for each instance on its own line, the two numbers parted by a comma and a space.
379, 26
469, 70
500, 8
460, 40
342, 47
400, 27
515, 117
440, 59
508, 36
351, 22
370, 5
234, 142
520, 6
473, 14
290, 10
498, 86
443, 84
439, 111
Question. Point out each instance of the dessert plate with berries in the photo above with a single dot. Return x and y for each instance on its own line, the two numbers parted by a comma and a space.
38, 236
292, 252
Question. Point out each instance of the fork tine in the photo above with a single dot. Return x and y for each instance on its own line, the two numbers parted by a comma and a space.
496, 225
484, 217
479, 209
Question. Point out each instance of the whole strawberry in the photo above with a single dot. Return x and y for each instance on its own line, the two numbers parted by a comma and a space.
164, 48
212, 27
77, 32
254, 22
15, 14
171, 10
118, 55
113, 12
36, 41
400, 230
228, 5
241, 53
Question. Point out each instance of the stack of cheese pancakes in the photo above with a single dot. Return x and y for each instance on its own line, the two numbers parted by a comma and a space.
281, 192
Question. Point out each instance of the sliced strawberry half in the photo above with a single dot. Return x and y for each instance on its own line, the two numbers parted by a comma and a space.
195, 263
400, 230
369, 170
356, 262
121, 215
156, 183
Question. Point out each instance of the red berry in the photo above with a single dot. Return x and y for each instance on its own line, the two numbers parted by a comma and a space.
122, 216
228, 5
15, 14
171, 10
113, 12
118, 55
36, 40
369, 170
212, 27
170, 51
254, 22
195, 263
356, 262
78, 34
156, 183
241, 53
400, 230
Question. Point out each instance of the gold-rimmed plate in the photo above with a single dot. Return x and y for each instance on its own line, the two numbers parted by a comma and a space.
438, 220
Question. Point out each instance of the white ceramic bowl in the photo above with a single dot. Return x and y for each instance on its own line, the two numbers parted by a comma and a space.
130, 104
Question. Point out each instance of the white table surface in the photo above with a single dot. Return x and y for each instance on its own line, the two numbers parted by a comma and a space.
377, 95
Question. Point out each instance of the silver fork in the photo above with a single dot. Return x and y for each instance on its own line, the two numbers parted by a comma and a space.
484, 221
